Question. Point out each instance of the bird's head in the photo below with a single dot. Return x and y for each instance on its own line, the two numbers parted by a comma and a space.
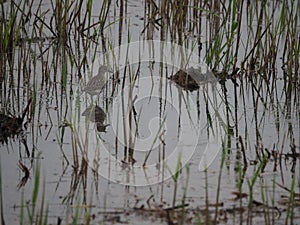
103, 69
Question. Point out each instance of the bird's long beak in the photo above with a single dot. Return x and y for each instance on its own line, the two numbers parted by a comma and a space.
110, 70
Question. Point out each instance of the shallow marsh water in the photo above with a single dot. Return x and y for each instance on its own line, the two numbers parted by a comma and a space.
249, 121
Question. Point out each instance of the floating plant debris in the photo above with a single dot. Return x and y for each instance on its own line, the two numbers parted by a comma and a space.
11, 126
192, 78
183, 79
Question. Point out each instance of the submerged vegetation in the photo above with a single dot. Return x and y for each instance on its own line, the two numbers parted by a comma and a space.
49, 50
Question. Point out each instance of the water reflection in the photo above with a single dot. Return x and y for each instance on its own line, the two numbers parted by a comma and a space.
96, 115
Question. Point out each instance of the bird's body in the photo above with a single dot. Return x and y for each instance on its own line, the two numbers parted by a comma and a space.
98, 82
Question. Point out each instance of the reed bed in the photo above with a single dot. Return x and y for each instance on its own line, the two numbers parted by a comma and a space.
49, 51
